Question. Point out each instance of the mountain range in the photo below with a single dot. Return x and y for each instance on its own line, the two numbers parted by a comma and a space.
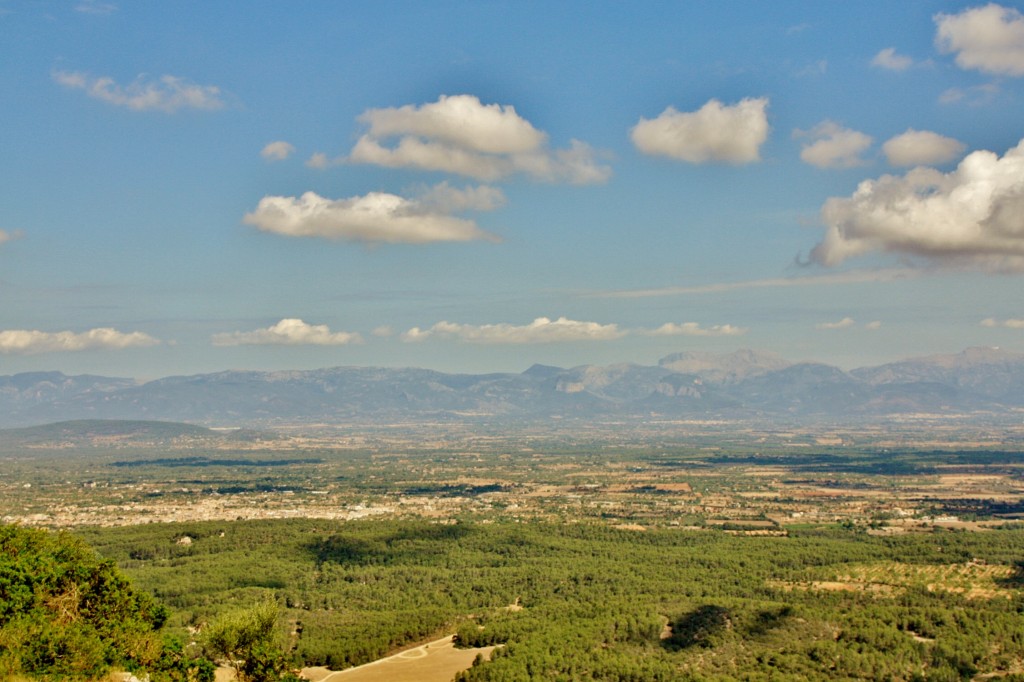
745, 384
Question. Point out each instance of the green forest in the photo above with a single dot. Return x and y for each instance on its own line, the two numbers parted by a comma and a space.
565, 601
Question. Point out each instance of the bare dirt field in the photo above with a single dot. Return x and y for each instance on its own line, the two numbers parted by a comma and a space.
436, 661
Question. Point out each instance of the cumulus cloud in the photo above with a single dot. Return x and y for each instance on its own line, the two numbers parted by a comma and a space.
166, 93
988, 39
461, 135
833, 146
872, 326
920, 148
715, 132
694, 329
31, 342
377, 217
888, 59
541, 330
288, 332
844, 323
970, 217
277, 151
1008, 324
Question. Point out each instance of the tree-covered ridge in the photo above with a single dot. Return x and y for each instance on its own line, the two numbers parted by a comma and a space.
64, 612
578, 601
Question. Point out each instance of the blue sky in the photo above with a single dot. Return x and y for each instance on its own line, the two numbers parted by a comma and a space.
189, 187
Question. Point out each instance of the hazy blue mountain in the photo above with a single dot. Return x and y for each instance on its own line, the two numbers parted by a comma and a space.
741, 384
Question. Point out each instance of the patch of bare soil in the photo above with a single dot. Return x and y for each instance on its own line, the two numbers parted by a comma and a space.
436, 661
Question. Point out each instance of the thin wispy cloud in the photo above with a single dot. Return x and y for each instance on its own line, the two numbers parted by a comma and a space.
974, 96
378, 217
6, 236
166, 93
1012, 323
546, 330
714, 133
850, 277
288, 332
459, 134
541, 330
844, 323
32, 342
694, 329
967, 218
93, 7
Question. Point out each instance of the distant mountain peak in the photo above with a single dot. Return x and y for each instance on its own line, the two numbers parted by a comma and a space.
724, 367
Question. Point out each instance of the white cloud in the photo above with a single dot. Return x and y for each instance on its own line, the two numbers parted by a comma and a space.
988, 39
834, 146
921, 147
888, 59
844, 323
872, 326
384, 331
1008, 324
694, 329
288, 332
167, 93
30, 342
277, 151
970, 217
541, 330
459, 134
715, 132
374, 217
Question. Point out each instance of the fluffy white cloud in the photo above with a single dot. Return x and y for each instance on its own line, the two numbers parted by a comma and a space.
694, 329
288, 332
1008, 324
277, 151
541, 330
989, 39
715, 132
834, 146
374, 217
872, 326
460, 120
969, 217
459, 134
920, 148
8, 236
30, 342
167, 93
888, 59
844, 323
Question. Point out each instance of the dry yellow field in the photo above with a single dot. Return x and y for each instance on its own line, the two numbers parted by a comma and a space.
437, 661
